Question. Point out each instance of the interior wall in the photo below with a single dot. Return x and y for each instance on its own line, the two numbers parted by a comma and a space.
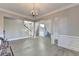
65, 27
20, 34
14, 29
2, 14
67, 21
1, 25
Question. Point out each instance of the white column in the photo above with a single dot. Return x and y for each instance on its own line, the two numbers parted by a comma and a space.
34, 30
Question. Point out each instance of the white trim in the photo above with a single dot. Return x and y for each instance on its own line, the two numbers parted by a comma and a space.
14, 13
58, 10
16, 38
67, 41
77, 37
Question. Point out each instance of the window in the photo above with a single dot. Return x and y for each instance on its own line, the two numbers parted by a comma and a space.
42, 25
41, 29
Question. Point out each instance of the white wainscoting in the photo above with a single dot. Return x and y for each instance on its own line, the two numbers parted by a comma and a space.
69, 42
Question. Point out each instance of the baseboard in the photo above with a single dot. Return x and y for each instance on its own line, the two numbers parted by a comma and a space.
11, 39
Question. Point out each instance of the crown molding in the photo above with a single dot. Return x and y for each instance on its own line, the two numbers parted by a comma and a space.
15, 13
42, 16
58, 10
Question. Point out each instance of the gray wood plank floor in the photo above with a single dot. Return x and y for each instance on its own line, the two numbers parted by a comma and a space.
39, 47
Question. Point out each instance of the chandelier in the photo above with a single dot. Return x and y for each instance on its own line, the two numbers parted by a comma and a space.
34, 11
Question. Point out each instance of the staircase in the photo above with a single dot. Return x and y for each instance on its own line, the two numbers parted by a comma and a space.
28, 29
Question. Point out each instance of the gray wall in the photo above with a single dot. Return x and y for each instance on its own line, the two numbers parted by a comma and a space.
65, 27
68, 21
14, 29
65, 22
2, 14
1, 25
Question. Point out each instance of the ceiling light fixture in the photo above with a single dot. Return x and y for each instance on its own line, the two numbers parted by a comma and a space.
34, 11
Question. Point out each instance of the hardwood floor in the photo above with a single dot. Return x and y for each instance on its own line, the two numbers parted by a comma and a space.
39, 47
